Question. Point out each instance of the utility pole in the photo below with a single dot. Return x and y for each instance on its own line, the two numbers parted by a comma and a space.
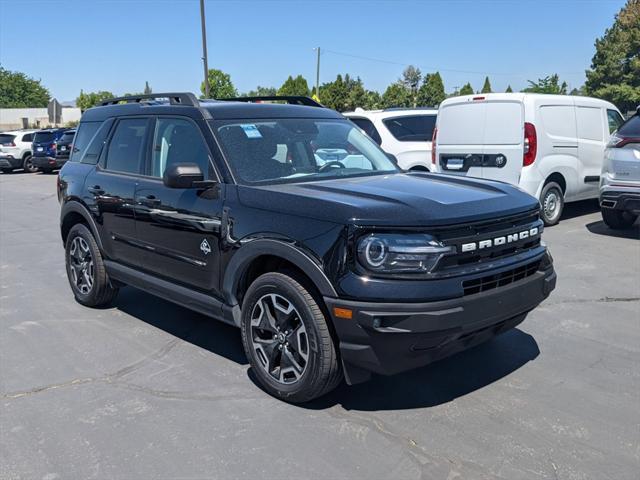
204, 51
318, 73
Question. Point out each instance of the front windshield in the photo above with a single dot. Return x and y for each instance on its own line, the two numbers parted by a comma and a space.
298, 150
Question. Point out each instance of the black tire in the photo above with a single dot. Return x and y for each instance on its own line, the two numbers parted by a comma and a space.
322, 370
101, 291
551, 203
618, 219
27, 164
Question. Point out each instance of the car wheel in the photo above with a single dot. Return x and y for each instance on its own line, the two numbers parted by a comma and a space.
287, 340
551, 203
28, 166
618, 219
85, 269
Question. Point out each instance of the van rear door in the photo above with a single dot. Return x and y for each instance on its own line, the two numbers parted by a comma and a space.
482, 138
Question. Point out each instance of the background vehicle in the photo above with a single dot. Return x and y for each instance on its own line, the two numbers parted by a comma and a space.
402, 132
551, 146
45, 148
620, 179
15, 151
64, 146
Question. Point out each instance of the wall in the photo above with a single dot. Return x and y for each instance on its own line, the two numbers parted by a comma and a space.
11, 118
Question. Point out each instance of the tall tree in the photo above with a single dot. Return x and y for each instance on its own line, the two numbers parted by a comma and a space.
548, 84
147, 89
466, 89
411, 77
19, 91
91, 99
431, 92
615, 67
262, 92
220, 85
509, 89
295, 86
373, 100
486, 88
397, 95
335, 94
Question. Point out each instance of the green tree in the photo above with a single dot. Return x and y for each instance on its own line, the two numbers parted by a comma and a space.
411, 77
147, 89
262, 92
509, 89
19, 91
335, 94
91, 99
373, 100
615, 68
396, 95
466, 89
295, 86
486, 88
548, 84
431, 92
220, 85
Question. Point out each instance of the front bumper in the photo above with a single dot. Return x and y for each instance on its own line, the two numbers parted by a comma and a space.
48, 162
388, 338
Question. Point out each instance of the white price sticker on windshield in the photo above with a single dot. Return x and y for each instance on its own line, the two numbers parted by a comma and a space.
251, 131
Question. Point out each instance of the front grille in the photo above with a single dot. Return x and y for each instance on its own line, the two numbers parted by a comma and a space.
489, 282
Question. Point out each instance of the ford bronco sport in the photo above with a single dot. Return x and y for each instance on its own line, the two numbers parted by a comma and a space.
331, 268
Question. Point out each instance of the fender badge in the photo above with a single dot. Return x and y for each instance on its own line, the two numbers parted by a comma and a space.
205, 247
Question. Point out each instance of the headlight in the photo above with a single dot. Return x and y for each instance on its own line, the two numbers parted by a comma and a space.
398, 253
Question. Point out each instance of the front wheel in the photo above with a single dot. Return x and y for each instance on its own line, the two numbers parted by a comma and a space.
551, 203
85, 269
287, 340
618, 219
28, 166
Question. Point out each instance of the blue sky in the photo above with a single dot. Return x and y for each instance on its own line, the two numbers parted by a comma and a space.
118, 44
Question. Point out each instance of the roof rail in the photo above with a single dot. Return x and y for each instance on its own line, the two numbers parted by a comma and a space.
291, 99
390, 109
186, 98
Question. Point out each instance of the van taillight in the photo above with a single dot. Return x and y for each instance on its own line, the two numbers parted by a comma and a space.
433, 145
530, 144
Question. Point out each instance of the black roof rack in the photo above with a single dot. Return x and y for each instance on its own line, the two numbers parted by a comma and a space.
291, 99
187, 99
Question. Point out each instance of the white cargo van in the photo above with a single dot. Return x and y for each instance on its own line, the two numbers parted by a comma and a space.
551, 146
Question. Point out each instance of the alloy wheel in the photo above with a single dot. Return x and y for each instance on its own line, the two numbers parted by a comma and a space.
81, 263
551, 205
279, 338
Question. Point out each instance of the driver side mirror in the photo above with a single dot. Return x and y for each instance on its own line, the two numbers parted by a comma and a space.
185, 175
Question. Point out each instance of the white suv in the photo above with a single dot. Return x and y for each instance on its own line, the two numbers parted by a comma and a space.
402, 132
15, 151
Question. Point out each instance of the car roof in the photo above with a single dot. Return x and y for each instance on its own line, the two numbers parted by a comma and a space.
18, 132
526, 97
392, 112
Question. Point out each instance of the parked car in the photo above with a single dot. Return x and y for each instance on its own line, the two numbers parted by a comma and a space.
402, 132
15, 151
64, 146
620, 179
45, 149
551, 146
329, 270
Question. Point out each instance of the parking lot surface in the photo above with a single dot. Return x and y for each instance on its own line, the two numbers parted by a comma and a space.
147, 389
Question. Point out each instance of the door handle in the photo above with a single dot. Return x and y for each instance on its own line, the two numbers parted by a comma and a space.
96, 190
148, 201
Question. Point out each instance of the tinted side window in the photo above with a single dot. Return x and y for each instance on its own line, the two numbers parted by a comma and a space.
178, 140
631, 127
614, 119
6, 139
28, 137
417, 128
92, 152
85, 133
369, 128
126, 147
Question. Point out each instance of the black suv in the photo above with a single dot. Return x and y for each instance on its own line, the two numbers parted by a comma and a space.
64, 146
330, 268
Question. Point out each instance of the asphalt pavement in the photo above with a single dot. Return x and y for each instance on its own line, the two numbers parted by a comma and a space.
146, 389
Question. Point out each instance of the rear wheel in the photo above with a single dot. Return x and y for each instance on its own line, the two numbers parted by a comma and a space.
85, 269
618, 219
287, 339
551, 203
28, 166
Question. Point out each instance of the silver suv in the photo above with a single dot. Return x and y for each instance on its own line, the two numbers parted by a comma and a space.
620, 178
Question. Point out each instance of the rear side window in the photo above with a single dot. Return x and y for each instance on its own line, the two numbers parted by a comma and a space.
44, 137
589, 122
126, 147
369, 128
85, 133
6, 139
631, 127
614, 119
28, 137
67, 137
418, 128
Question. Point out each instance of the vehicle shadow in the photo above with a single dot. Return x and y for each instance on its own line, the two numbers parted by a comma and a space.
439, 382
600, 228
578, 209
190, 326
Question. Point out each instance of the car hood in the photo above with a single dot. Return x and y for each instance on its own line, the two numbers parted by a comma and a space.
402, 199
